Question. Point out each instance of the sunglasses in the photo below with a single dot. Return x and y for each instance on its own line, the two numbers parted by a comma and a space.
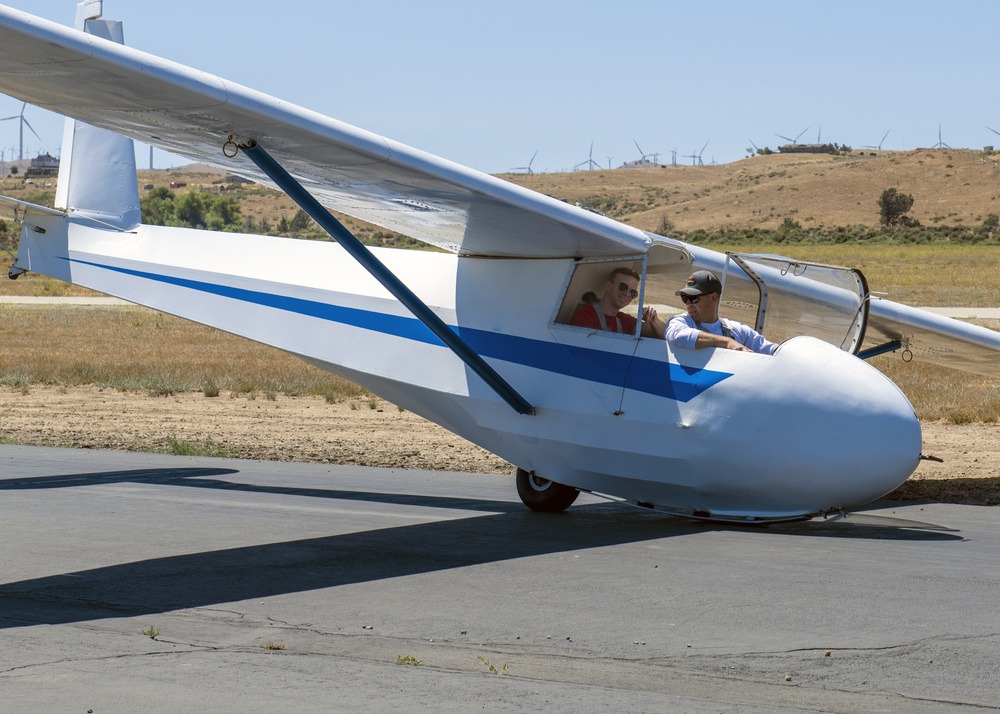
690, 299
624, 288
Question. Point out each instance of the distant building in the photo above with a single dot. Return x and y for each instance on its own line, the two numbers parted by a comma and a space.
229, 180
640, 164
806, 149
43, 165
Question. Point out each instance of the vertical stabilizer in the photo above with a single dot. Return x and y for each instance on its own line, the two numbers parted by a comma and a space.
97, 171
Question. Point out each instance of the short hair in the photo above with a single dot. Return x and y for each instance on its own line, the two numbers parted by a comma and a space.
623, 271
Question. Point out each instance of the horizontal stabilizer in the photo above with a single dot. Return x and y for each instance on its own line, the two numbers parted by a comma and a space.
20, 208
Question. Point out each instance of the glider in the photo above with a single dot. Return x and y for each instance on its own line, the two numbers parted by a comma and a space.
477, 338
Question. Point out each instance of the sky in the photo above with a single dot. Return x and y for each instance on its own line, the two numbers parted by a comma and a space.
489, 84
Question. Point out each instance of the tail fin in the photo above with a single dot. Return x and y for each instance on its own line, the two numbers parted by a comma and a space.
97, 171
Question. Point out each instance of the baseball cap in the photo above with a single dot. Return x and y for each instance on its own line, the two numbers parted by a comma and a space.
701, 283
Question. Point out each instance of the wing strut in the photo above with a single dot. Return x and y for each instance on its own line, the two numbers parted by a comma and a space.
881, 350
389, 281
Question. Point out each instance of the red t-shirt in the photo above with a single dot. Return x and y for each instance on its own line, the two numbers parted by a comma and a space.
586, 316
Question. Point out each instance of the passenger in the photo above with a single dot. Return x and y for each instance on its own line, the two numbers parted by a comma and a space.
605, 313
702, 326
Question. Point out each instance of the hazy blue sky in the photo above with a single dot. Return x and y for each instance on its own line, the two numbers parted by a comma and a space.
487, 84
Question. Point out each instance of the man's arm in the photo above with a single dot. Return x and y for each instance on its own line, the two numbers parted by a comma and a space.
707, 339
681, 332
754, 341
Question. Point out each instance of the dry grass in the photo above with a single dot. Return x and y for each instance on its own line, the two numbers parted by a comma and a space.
36, 285
939, 393
135, 349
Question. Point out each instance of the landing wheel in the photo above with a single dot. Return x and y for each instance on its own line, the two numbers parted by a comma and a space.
540, 494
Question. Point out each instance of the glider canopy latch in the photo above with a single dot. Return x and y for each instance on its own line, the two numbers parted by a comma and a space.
308, 203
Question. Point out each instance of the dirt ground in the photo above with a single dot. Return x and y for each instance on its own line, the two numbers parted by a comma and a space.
378, 434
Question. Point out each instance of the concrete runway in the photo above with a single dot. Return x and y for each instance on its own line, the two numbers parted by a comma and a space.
277, 587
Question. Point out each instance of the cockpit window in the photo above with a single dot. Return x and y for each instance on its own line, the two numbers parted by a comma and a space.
783, 298
587, 287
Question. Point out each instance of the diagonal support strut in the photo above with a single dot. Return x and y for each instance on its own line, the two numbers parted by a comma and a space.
890, 346
308, 203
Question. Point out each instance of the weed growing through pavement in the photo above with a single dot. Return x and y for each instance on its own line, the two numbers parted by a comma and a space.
490, 666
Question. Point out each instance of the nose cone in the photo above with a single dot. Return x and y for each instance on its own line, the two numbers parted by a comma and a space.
822, 430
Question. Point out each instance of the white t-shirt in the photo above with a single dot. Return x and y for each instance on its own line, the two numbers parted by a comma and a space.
682, 331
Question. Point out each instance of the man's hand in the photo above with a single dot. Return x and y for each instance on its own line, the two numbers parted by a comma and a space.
652, 324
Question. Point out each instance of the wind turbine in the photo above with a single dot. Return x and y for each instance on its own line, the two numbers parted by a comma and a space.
589, 163
940, 144
796, 139
24, 122
642, 154
673, 156
880, 143
994, 131
526, 169
700, 162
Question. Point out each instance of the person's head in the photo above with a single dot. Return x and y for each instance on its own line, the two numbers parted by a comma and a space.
701, 296
622, 288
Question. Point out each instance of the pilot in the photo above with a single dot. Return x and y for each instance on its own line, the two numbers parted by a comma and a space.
606, 313
702, 327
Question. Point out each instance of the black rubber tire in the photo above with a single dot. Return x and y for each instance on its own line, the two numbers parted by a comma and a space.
540, 494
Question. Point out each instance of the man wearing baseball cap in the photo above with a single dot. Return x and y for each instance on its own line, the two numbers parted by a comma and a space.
702, 327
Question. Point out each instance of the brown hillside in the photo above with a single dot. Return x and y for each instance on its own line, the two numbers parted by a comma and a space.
949, 186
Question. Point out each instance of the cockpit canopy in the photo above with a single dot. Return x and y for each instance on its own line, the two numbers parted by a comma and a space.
780, 297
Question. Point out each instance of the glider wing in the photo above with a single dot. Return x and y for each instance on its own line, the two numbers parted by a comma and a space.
355, 172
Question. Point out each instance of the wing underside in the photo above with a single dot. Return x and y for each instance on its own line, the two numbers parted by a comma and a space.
927, 337
355, 172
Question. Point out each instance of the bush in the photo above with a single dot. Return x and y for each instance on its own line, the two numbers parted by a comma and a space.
989, 226
163, 207
893, 207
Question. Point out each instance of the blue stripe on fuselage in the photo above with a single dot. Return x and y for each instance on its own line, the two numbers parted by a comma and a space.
643, 375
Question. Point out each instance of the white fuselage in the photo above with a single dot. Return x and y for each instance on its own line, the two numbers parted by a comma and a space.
714, 432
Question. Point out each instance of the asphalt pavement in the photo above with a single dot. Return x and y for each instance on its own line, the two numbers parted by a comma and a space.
154, 583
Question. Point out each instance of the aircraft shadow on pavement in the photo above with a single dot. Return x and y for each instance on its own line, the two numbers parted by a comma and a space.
506, 531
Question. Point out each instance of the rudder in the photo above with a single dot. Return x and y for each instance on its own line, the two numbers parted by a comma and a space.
97, 172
